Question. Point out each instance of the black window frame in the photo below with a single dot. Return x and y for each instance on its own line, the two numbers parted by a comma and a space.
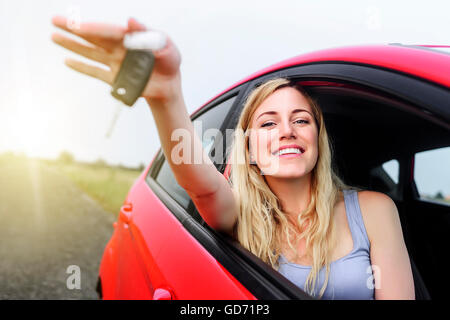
255, 275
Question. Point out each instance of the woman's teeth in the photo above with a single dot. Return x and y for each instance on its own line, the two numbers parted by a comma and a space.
289, 150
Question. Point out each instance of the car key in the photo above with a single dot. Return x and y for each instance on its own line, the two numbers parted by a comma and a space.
135, 70
137, 65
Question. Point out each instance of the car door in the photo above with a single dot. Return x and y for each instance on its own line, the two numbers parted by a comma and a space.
160, 259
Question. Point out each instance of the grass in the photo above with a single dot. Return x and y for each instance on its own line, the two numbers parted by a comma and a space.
105, 184
109, 186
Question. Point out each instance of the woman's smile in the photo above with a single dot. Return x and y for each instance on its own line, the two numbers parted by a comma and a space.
289, 151
290, 155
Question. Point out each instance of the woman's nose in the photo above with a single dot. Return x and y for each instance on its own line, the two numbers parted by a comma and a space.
286, 130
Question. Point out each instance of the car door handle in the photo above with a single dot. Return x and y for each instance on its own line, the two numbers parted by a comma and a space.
125, 212
162, 294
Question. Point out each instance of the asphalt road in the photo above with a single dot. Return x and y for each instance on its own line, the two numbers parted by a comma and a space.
46, 225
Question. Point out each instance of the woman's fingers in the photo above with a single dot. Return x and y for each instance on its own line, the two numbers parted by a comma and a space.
95, 53
100, 34
93, 71
91, 29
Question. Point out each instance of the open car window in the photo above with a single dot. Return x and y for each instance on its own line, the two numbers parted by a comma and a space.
205, 125
432, 175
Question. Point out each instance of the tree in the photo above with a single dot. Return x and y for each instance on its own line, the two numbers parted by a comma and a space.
66, 157
439, 195
100, 163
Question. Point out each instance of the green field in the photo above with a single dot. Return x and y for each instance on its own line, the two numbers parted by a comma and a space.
105, 184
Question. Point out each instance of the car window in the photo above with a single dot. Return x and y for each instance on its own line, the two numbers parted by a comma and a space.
392, 169
432, 175
204, 125
384, 178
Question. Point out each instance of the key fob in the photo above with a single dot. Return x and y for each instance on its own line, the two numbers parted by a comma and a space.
133, 75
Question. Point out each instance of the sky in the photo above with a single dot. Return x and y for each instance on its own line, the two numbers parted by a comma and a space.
46, 107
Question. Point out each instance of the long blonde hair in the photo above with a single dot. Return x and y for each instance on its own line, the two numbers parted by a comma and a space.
262, 226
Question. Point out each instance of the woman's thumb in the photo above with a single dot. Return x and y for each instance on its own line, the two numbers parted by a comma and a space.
134, 25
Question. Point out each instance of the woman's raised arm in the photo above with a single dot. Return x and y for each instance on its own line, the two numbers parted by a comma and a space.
207, 187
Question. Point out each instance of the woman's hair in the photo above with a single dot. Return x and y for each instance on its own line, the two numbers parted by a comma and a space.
262, 226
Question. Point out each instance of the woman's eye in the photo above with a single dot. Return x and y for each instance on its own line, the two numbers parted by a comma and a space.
267, 124
301, 121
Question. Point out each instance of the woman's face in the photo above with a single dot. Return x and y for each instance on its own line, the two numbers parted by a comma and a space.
284, 119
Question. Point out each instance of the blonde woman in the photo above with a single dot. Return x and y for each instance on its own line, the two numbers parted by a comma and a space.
283, 202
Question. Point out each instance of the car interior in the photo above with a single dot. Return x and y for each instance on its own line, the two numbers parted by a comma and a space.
368, 129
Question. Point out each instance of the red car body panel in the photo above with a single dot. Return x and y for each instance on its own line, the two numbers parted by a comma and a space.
144, 255
144, 260
426, 64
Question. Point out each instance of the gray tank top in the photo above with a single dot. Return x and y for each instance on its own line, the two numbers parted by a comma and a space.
350, 276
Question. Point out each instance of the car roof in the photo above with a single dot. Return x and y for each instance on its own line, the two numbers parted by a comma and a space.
418, 61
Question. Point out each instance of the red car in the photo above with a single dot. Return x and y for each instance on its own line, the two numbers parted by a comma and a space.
387, 111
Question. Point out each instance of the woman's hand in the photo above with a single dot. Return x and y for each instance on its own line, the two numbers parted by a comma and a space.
208, 188
105, 45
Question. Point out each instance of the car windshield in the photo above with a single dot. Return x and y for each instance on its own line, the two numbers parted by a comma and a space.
442, 49
438, 48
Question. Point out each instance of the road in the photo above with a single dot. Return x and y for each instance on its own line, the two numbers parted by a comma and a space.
46, 225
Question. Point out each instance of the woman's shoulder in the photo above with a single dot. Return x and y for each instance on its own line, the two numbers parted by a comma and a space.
377, 210
370, 200
374, 198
